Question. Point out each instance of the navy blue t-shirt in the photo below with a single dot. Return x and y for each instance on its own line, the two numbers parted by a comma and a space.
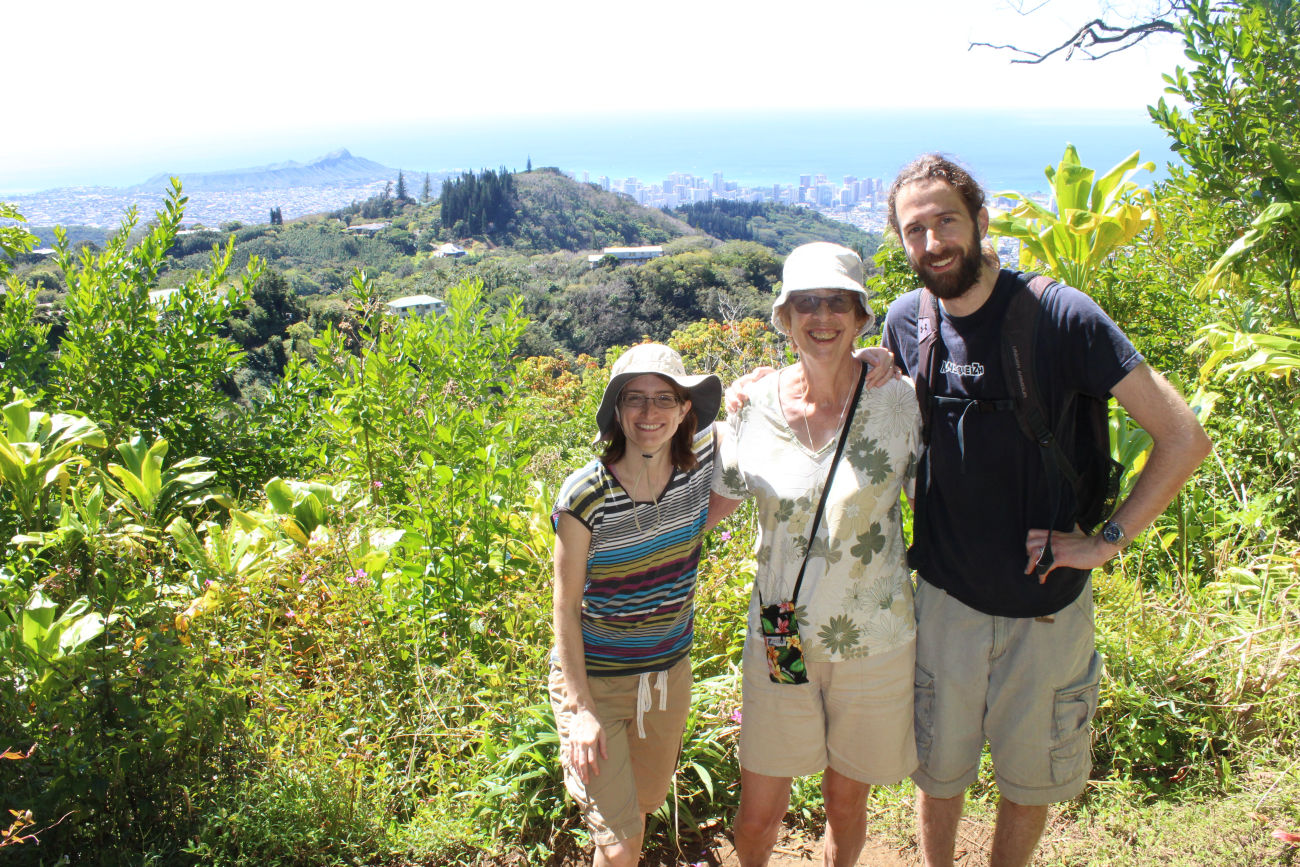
982, 500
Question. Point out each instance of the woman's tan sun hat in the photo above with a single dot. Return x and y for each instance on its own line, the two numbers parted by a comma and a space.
822, 265
705, 389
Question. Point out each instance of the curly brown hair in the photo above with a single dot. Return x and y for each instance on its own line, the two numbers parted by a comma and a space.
937, 167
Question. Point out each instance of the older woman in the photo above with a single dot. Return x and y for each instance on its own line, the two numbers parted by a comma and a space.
628, 529
831, 639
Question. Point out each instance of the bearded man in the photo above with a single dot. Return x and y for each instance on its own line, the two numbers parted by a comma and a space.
1004, 599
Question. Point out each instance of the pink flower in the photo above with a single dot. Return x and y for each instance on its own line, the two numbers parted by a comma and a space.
735, 716
724, 536
356, 576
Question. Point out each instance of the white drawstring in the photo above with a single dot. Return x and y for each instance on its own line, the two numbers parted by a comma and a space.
643, 697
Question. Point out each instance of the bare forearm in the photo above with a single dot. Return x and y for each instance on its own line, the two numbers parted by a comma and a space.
720, 508
573, 660
572, 544
1168, 468
1179, 444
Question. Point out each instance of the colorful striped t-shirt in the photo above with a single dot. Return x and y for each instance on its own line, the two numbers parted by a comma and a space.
638, 603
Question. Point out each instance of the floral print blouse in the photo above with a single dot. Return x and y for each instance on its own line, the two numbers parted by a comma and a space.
856, 597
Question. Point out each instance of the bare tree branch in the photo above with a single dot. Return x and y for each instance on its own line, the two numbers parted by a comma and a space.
1089, 40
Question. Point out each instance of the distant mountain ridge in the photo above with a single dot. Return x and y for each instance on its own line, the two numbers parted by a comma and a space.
248, 195
336, 168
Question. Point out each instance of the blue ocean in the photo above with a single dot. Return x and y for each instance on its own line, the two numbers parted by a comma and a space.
1005, 149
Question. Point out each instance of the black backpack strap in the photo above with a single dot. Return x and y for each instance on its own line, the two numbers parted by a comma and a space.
927, 335
1019, 352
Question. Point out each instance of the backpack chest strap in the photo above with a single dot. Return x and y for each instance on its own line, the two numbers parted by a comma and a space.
965, 406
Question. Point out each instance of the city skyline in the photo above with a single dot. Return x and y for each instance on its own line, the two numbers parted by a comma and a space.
857, 201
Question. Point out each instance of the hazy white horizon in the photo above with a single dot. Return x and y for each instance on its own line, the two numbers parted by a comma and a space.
115, 94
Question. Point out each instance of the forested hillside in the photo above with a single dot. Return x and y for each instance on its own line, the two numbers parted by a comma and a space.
527, 234
300, 614
556, 213
781, 227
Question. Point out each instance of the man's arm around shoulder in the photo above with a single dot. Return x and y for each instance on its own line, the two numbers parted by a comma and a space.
1179, 444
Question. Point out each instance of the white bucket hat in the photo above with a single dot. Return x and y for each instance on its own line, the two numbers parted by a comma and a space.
822, 265
705, 389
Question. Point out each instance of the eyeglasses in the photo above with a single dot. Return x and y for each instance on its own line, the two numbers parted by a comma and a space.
636, 400
805, 303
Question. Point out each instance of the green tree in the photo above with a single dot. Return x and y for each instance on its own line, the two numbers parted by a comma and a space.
1238, 134
24, 351
426, 194
157, 364
1241, 94
13, 239
401, 187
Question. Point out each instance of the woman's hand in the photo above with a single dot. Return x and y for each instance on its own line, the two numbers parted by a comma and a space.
881, 362
737, 396
586, 745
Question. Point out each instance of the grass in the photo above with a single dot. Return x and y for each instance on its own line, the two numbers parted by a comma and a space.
1119, 825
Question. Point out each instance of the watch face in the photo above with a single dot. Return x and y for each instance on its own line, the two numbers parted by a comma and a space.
1112, 532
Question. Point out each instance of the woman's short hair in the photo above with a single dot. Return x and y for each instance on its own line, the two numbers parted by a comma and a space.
682, 452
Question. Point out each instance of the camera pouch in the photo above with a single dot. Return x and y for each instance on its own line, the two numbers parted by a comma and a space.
785, 663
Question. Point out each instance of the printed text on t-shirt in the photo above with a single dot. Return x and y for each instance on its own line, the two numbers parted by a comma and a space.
972, 369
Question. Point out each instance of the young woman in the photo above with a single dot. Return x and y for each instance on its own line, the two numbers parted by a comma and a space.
628, 528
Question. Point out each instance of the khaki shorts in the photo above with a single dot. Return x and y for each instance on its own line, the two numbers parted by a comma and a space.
634, 780
1027, 685
854, 717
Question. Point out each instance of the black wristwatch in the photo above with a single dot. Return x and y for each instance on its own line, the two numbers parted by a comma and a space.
1113, 533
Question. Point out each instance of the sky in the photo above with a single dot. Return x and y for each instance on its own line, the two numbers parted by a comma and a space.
100, 93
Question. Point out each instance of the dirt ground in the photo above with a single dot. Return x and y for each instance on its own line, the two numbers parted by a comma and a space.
796, 849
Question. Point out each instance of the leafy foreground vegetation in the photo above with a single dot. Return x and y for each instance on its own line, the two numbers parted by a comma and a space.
312, 628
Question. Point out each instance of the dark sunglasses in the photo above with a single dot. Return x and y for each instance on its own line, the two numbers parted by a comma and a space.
841, 302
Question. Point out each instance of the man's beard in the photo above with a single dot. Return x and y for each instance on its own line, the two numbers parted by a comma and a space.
955, 282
